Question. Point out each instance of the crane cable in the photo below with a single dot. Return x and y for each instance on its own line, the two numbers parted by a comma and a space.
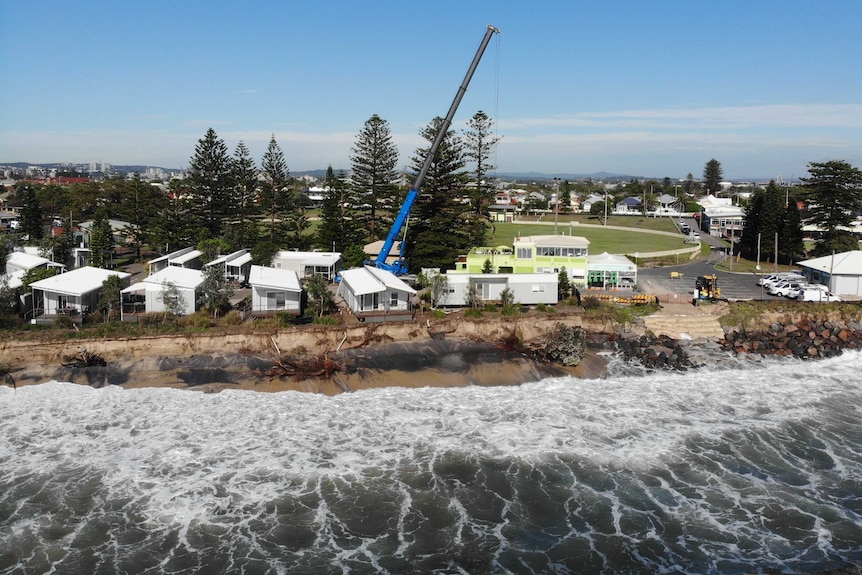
496, 103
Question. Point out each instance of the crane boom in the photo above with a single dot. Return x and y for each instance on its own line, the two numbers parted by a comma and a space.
398, 267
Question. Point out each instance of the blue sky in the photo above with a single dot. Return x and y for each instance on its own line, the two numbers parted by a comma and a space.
644, 88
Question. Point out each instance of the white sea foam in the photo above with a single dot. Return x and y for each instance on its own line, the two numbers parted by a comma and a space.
727, 454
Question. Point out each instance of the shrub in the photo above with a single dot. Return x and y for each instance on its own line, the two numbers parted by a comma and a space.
545, 308
473, 312
233, 317
64, 322
199, 321
511, 309
326, 320
438, 314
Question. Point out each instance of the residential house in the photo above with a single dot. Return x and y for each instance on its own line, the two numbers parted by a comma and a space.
306, 264
274, 290
148, 295
9, 220
71, 293
184, 258
121, 231
587, 203
24, 262
841, 273
18, 263
235, 266
667, 205
375, 295
527, 289
628, 206
531, 254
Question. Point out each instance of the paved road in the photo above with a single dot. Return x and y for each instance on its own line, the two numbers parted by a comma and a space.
734, 286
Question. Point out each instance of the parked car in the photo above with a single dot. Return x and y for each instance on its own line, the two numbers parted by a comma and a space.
813, 293
785, 288
772, 279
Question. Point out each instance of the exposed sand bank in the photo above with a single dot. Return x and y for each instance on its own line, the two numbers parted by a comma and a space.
443, 353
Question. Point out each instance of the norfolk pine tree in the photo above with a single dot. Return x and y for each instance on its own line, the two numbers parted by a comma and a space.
101, 241
210, 183
245, 185
479, 147
712, 173
438, 234
275, 195
373, 160
336, 230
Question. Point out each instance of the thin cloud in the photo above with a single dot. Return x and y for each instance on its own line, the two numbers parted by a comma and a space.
715, 118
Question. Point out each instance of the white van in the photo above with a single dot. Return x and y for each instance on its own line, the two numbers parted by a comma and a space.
812, 293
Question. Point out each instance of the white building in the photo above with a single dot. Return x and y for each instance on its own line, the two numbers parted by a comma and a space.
274, 290
306, 264
373, 294
841, 273
148, 294
71, 293
184, 258
235, 266
527, 289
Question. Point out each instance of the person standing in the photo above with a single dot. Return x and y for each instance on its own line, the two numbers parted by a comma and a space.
695, 297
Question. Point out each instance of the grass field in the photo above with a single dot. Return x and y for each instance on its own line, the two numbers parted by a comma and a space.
601, 240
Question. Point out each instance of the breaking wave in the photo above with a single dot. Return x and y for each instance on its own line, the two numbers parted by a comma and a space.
731, 471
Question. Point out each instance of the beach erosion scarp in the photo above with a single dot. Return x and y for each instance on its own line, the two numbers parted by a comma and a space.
453, 351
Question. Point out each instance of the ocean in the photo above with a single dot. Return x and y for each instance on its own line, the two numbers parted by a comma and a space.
733, 470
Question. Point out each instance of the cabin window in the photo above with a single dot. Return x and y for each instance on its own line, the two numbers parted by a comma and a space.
276, 299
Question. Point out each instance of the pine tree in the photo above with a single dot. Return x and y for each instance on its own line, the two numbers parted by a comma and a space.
792, 246
373, 160
712, 176
438, 231
479, 147
275, 194
101, 241
835, 191
764, 216
210, 183
31, 212
175, 227
336, 230
245, 184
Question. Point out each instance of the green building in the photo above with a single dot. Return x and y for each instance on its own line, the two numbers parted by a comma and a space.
531, 254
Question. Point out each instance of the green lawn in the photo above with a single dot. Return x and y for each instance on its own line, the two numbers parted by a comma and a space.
601, 240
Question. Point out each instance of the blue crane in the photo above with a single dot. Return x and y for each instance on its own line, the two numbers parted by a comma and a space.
399, 267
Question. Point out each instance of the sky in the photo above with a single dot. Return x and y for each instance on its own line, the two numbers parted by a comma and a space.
651, 89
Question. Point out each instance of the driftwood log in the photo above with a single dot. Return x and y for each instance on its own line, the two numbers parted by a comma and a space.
313, 366
84, 358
